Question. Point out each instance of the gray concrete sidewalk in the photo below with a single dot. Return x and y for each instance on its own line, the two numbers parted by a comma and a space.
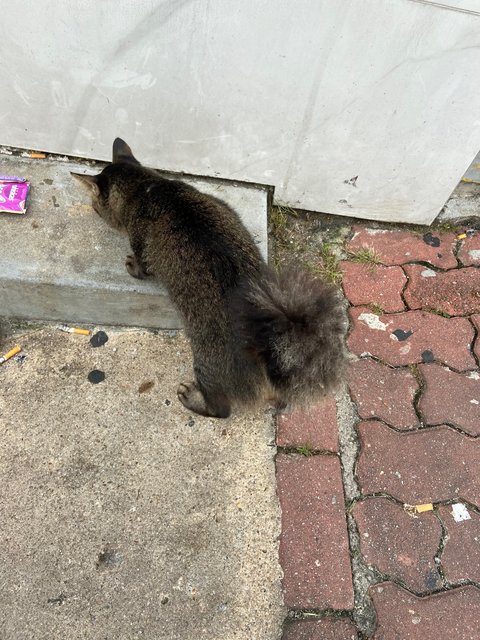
124, 516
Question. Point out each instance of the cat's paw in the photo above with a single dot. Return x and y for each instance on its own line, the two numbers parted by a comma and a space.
192, 398
133, 267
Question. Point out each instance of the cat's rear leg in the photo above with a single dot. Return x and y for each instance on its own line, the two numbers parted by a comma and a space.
135, 263
213, 403
135, 268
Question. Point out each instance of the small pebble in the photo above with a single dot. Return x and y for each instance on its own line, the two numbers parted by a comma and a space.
99, 339
402, 335
146, 386
96, 376
427, 356
431, 240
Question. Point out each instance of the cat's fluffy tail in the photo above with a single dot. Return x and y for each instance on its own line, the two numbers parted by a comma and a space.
297, 325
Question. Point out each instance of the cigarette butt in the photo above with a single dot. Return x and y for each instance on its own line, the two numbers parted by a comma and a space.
16, 349
37, 154
461, 236
413, 509
421, 508
81, 332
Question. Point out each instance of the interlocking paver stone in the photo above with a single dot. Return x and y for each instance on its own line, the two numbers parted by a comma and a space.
450, 397
412, 462
382, 392
456, 292
314, 550
400, 247
365, 284
399, 545
325, 629
449, 615
430, 465
315, 427
461, 556
470, 250
448, 340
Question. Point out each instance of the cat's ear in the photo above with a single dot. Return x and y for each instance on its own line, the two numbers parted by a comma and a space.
90, 181
122, 152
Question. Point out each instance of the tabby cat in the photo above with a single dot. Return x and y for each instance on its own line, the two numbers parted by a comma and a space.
255, 335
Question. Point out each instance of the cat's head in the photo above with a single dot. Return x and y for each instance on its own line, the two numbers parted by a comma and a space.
111, 188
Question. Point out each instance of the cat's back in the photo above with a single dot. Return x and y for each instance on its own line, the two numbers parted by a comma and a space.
201, 218
196, 222
195, 243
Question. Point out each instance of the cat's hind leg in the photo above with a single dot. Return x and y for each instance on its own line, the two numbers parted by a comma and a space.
134, 267
206, 403
134, 262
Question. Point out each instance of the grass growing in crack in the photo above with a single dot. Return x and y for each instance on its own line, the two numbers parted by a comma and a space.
328, 268
439, 312
277, 263
278, 220
285, 208
305, 450
446, 226
418, 229
377, 309
365, 256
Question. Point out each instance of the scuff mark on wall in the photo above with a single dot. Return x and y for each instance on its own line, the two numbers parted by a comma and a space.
221, 137
20, 91
123, 78
59, 96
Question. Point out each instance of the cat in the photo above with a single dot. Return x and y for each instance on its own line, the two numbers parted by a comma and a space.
255, 336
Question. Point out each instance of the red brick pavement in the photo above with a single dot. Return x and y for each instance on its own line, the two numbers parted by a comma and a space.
382, 392
450, 397
401, 247
454, 292
324, 629
374, 284
441, 616
470, 251
398, 545
314, 428
430, 465
461, 556
416, 385
412, 337
314, 551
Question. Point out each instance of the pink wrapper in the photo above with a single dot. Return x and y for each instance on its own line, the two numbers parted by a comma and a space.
13, 194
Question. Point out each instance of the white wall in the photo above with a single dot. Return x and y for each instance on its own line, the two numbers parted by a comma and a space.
301, 94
